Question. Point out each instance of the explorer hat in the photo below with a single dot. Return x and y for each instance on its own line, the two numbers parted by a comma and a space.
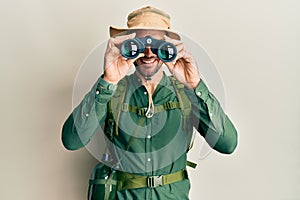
146, 18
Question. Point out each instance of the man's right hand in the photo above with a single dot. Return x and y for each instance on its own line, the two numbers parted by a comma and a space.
115, 65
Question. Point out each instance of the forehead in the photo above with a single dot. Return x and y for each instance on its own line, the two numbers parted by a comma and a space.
157, 34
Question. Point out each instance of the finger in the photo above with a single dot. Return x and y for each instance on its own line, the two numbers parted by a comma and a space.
182, 52
119, 39
112, 53
124, 37
171, 40
139, 56
186, 56
180, 49
179, 46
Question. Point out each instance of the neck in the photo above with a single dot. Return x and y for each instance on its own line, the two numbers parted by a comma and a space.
150, 82
155, 79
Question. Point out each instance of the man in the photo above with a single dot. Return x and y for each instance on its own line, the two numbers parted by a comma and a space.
149, 129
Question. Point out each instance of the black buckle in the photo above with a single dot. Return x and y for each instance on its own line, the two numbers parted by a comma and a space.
169, 105
154, 181
141, 111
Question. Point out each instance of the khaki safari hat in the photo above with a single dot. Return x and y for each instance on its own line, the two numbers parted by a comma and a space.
146, 18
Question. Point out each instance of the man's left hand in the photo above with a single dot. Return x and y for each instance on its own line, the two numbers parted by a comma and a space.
184, 68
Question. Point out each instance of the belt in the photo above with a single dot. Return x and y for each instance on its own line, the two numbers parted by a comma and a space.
133, 181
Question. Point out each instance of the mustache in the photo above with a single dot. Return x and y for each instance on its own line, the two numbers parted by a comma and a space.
149, 57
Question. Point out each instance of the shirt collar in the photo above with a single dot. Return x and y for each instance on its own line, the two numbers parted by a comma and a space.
138, 82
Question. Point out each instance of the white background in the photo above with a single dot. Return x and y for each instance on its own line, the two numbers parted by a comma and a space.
255, 45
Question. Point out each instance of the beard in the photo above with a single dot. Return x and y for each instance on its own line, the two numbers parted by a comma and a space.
147, 74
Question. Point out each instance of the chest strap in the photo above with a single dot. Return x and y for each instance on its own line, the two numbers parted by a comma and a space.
132, 181
141, 111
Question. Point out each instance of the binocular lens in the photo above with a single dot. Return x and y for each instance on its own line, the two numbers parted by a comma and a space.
167, 52
130, 49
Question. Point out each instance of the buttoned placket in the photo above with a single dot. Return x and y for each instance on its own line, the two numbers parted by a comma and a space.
148, 158
148, 150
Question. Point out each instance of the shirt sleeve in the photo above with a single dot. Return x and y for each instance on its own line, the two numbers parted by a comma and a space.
211, 121
88, 116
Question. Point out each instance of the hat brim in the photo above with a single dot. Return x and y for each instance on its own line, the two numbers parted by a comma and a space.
115, 31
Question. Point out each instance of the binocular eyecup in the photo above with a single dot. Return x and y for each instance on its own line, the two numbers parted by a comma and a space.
165, 51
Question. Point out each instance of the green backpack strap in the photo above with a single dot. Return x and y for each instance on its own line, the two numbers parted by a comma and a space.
125, 107
185, 103
114, 106
186, 109
191, 164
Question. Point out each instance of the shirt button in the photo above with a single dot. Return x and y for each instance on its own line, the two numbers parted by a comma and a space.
149, 159
97, 92
198, 94
149, 136
87, 114
145, 93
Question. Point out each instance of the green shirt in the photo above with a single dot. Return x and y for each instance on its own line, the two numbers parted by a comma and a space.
159, 143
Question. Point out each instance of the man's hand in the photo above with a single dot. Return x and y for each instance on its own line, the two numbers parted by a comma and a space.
115, 65
184, 68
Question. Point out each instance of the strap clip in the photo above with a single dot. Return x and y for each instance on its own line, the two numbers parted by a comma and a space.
169, 105
154, 181
125, 107
141, 111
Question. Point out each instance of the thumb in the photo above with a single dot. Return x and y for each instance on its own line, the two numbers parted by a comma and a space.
139, 56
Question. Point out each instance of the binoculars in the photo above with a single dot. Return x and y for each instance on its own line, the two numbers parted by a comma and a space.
165, 51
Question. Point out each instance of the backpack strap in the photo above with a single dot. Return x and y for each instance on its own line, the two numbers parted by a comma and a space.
125, 107
185, 103
191, 164
186, 109
114, 106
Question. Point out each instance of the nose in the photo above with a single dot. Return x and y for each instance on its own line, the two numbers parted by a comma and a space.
148, 52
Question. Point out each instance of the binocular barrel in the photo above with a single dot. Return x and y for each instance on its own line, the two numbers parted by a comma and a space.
165, 51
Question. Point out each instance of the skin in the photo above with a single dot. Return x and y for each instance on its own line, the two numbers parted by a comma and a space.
184, 68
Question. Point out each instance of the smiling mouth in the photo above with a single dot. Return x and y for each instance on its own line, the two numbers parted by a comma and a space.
148, 60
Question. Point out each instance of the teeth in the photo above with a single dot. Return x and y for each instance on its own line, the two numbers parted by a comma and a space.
148, 61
